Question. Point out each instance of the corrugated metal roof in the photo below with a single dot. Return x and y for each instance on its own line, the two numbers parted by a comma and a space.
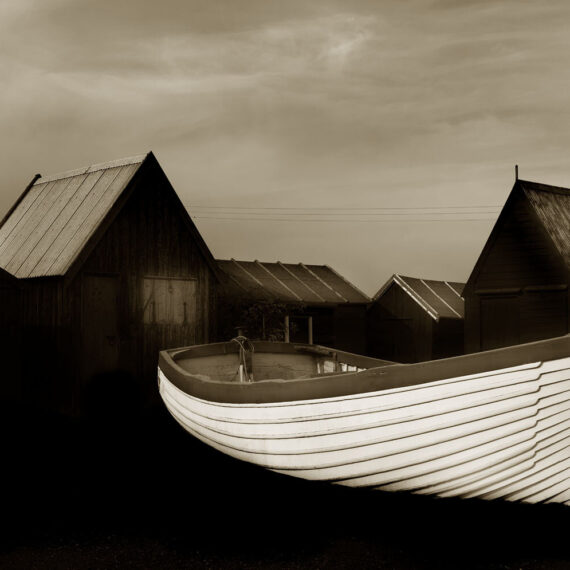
289, 283
58, 214
552, 205
440, 299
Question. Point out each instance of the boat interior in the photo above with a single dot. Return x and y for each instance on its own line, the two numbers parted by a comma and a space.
241, 371
242, 360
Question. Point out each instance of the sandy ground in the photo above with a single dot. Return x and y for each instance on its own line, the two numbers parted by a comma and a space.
146, 495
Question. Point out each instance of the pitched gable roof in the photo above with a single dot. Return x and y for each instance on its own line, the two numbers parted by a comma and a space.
288, 283
552, 206
57, 216
439, 299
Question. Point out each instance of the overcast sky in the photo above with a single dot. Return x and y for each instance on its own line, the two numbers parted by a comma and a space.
362, 112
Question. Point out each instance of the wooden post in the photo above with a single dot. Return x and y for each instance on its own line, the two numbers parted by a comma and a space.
310, 330
286, 328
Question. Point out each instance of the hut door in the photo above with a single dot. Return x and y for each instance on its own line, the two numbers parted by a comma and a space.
100, 324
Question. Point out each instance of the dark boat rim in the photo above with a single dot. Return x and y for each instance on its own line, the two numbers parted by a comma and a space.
380, 377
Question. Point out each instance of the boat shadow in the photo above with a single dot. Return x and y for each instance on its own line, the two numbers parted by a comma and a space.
65, 480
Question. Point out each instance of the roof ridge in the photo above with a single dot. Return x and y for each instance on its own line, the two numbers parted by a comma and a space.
427, 278
543, 186
139, 158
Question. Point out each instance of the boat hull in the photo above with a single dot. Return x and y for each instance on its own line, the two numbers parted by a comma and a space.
496, 434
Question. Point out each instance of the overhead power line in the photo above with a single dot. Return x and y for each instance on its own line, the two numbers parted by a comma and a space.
344, 209
349, 220
293, 215
352, 214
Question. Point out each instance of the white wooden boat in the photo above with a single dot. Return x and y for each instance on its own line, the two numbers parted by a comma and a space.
493, 425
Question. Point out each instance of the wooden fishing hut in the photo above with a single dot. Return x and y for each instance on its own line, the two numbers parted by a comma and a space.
412, 319
518, 290
293, 302
112, 269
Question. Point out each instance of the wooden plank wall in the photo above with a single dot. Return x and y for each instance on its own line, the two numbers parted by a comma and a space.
447, 338
150, 239
10, 338
522, 255
522, 316
398, 328
521, 291
45, 345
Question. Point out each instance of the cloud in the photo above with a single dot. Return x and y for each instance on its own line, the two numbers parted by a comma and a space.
294, 102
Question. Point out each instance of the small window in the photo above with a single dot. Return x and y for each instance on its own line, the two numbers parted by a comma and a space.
169, 301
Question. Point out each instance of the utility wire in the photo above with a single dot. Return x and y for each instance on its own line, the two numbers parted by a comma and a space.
343, 209
312, 220
346, 214
295, 214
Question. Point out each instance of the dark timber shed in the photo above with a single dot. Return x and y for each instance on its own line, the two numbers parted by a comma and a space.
112, 269
10, 334
412, 320
314, 303
518, 290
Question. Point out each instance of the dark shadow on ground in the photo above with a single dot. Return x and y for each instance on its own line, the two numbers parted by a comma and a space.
138, 492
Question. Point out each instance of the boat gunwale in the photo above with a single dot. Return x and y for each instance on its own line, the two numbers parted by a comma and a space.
385, 376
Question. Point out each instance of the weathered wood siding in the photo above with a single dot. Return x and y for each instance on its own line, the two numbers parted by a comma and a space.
10, 337
447, 338
521, 254
519, 290
47, 377
398, 328
91, 343
148, 242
